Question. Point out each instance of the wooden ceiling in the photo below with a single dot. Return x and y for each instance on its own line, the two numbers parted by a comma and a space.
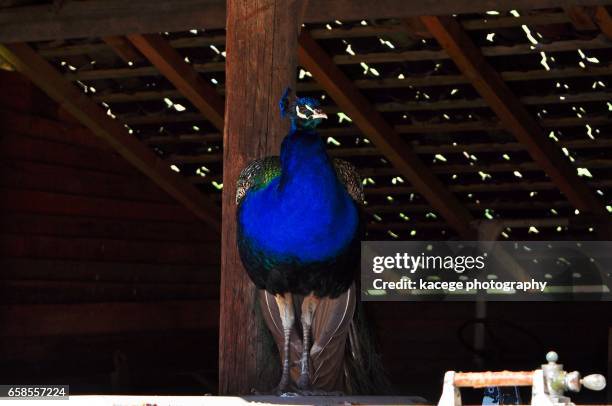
488, 115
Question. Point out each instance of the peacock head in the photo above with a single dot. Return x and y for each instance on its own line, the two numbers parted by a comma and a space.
305, 113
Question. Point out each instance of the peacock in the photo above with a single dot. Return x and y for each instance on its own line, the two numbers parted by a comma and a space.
299, 229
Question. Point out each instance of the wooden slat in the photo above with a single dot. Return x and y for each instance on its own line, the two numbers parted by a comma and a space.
46, 292
39, 127
64, 204
91, 227
93, 117
106, 318
119, 272
107, 250
117, 17
22, 174
26, 148
512, 114
182, 75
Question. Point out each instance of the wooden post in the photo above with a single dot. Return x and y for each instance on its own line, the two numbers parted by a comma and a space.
261, 61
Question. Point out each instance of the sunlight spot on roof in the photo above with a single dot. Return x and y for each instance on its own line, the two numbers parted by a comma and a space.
584, 172
533, 230
518, 174
392, 234
333, 141
349, 50
217, 185
175, 168
440, 157
484, 175
491, 37
530, 37
343, 117
303, 73
544, 61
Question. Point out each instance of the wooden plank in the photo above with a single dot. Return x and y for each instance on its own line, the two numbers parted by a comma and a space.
106, 318
118, 272
64, 204
93, 117
47, 247
26, 148
512, 114
115, 17
52, 130
182, 75
372, 124
46, 292
21, 174
258, 71
90, 227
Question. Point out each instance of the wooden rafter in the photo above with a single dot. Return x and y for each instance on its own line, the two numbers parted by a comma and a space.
581, 18
513, 115
604, 21
25, 60
386, 139
182, 75
124, 49
97, 18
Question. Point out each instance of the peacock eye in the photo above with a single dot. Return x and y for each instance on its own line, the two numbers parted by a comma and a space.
299, 113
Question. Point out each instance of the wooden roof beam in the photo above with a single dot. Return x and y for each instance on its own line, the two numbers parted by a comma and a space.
515, 118
604, 21
387, 140
124, 49
182, 75
25, 60
98, 18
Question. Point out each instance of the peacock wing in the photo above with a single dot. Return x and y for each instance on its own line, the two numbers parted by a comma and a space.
348, 175
257, 174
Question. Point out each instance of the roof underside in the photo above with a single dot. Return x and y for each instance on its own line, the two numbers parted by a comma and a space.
560, 72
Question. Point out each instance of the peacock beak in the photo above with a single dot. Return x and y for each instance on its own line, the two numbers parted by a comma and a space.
319, 114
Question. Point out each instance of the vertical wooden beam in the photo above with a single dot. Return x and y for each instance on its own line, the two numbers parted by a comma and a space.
79, 105
517, 120
182, 75
387, 140
261, 61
